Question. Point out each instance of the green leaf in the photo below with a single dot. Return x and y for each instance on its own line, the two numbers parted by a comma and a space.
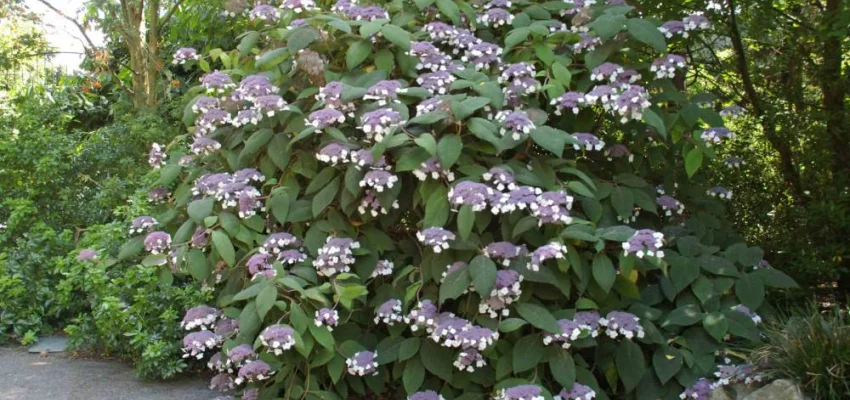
222, 245
448, 150
483, 272
527, 353
450, 10
437, 359
413, 375
428, 118
249, 293
455, 284
357, 53
775, 278
562, 74
340, 25
132, 248
538, 316
427, 142
667, 362
549, 138
652, 119
301, 38
423, 4
647, 33
630, 364
603, 272
750, 290
200, 209
684, 316
408, 348
623, 201
271, 59
396, 36
511, 324
563, 367
385, 60
437, 208
279, 204
693, 161
516, 37
325, 197
608, 25
155, 260
683, 273
265, 300
198, 266
493, 92
716, 325
465, 220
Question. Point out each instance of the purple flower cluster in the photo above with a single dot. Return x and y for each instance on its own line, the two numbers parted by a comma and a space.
253, 371
370, 204
378, 180
748, 312
142, 224
259, 265
298, 6
327, 317
670, 205
481, 54
516, 122
384, 92
586, 43
550, 251
619, 151
552, 208
505, 291
667, 65
436, 238
733, 112
196, 344
473, 194
389, 312
363, 363
331, 96
426, 395
217, 82
425, 314
431, 168
158, 242
719, 191
185, 54
578, 392
203, 317
335, 256
504, 251
618, 323
523, 392
334, 153
383, 268
277, 338
379, 122
700, 390
495, 17
205, 146
265, 13
87, 255
645, 242
716, 135
156, 157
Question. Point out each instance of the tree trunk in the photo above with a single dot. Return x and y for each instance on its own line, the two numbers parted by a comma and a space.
833, 88
790, 174
152, 54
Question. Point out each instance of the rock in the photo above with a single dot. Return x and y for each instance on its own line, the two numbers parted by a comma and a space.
720, 394
50, 344
781, 389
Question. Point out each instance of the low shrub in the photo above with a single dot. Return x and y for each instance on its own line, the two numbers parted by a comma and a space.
811, 348
387, 201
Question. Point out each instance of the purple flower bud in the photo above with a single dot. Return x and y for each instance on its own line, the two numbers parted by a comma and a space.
270, 104
204, 104
240, 354
622, 323
696, 21
249, 202
378, 180
370, 204
448, 329
384, 92
645, 242
424, 315
719, 191
211, 119
578, 392
377, 123
87, 255
505, 291
436, 238
226, 327
672, 28
142, 224
550, 251
205, 146
463, 39
259, 265
277, 242
158, 195
327, 317
501, 178
606, 72
252, 371
431, 168
196, 344
246, 117
278, 338
572, 101
331, 95
363, 363
477, 337
495, 17
156, 157
587, 141
200, 317
587, 43
335, 256
631, 103
483, 55
430, 57
343, 6
716, 135
217, 82
701, 390
298, 6
426, 395
516, 122
670, 205
619, 151
184, 54
517, 70
383, 268
667, 65
291, 257
265, 13
476, 195
587, 320
734, 111
248, 175
552, 208
521, 197
570, 332
436, 82
469, 359
368, 13
523, 392
428, 105
334, 154
605, 94
389, 312
157, 242
504, 251
221, 382
254, 86
439, 31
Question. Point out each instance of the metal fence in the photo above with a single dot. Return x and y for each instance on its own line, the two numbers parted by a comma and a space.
34, 70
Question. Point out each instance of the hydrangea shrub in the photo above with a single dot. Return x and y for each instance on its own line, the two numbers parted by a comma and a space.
439, 199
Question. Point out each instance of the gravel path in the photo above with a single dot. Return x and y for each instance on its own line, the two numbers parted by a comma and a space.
25, 376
